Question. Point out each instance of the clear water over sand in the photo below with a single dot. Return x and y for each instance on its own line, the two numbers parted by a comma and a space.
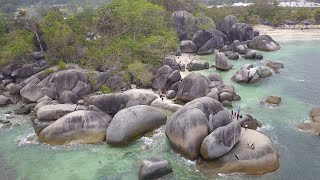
298, 85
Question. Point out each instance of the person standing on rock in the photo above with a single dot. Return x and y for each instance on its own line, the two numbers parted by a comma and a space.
238, 114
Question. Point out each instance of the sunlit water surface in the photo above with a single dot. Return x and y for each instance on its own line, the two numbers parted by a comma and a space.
298, 85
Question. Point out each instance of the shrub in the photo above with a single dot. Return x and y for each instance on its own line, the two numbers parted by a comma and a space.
62, 65
92, 79
142, 77
105, 89
47, 72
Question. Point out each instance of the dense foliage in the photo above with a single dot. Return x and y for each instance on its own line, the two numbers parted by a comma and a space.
115, 36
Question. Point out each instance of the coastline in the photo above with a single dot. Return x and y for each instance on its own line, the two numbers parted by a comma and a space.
288, 33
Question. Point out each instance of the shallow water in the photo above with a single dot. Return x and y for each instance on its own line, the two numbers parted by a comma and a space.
297, 84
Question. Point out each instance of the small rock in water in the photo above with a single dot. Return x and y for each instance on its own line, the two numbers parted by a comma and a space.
5, 121
7, 125
154, 168
273, 100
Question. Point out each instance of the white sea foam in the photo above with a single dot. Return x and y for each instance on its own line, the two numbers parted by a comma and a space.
147, 141
29, 139
188, 162
265, 127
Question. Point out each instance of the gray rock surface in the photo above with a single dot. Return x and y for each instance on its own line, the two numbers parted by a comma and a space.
220, 141
154, 168
188, 126
132, 123
221, 62
222, 118
85, 127
264, 43
193, 86
188, 46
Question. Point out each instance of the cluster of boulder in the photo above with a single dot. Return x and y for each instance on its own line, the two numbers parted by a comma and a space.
193, 86
118, 118
229, 35
36, 80
18, 72
203, 129
314, 126
249, 74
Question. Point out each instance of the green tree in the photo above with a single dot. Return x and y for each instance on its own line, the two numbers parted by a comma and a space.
59, 38
133, 31
264, 10
301, 14
317, 17
16, 46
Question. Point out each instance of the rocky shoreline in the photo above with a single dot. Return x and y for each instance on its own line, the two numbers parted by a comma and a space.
67, 105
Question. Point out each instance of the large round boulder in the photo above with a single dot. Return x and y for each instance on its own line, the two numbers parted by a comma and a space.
161, 78
55, 111
68, 97
241, 32
174, 77
254, 154
204, 23
193, 86
44, 103
170, 61
264, 43
222, 118
214, 77
265, 72
221, 62
140, 97
201, 37
220, 141
109, 103
187, 127
207, 48
188, 46
241, 76
86, 127
14, 88
195, 65
225, 25
132, 123
185, 24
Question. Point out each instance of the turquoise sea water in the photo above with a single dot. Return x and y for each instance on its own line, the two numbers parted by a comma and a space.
298, 85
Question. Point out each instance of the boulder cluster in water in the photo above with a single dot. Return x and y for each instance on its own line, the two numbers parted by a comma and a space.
68, 108
314, 125
203, 130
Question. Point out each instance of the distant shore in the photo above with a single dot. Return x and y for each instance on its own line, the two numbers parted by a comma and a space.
289, 33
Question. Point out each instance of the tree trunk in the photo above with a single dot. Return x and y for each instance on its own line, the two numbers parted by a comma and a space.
38, 39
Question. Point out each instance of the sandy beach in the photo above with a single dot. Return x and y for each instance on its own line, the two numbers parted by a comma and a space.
185, 59
289, 33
